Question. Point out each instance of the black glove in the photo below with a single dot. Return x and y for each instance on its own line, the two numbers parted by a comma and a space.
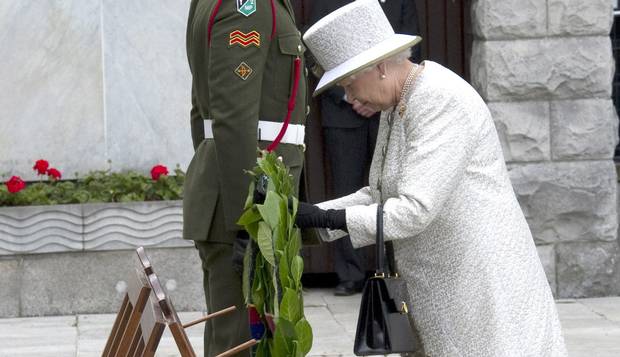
239, 245
309, 215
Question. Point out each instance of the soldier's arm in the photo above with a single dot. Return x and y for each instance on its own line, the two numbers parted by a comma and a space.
235, 84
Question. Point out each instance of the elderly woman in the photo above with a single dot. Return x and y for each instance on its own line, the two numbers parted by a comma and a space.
460, 238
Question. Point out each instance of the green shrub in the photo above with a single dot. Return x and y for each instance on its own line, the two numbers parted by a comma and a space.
98, 186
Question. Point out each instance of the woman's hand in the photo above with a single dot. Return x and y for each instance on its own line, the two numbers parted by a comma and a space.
311, 216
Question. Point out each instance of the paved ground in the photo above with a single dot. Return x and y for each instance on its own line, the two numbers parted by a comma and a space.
591, 328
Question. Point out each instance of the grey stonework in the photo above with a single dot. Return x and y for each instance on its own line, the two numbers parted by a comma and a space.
90, 227
578, 17
588, 269
523, 129
583, 129
545, 68
547, 258
88, 81
568, 201
93, 282
492, 19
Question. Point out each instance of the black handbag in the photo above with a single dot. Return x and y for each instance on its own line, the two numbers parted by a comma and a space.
383, 325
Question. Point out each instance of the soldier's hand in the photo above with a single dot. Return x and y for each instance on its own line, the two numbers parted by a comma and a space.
239, 246
260, 189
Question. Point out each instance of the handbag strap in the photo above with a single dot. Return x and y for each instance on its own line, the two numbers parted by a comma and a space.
379, 245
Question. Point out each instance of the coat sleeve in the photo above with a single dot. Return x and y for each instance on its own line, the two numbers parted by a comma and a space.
438, 151
234, 102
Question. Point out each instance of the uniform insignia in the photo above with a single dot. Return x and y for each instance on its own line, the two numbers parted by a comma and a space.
244, 39
246, 7
243, 71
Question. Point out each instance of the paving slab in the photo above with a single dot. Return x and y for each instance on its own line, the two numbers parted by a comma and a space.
591, 328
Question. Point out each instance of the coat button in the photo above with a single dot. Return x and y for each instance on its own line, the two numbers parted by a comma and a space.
299, 48
306, 71
307, 110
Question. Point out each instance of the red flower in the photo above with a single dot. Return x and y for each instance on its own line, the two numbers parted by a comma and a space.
15, 184
41, 166
53, 173
157, 171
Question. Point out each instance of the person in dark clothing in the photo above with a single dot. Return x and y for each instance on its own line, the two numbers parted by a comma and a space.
357, 125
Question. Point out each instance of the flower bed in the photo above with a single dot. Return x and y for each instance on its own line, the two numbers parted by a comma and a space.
96, 187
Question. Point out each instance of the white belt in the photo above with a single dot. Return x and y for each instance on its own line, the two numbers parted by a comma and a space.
268, 131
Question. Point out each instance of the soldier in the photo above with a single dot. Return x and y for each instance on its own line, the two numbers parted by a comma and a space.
246, 60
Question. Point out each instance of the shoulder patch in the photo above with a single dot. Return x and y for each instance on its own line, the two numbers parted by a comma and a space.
243, 71
243, 39
246, 7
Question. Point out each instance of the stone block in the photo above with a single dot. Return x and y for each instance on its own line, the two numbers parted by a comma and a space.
40, 229
588, 269
113, 226
523, 129
10, 279
70, 283
52, 90
583, 129
493, 19
567, 202
95, 282
546, 253
538, 69
147, 84
578, 17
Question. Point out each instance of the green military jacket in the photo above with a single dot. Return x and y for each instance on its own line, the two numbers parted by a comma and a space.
241, 55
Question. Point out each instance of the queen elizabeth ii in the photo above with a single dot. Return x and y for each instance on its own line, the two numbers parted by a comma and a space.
460, 239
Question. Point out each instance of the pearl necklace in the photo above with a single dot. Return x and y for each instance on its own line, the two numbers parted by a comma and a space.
411, 77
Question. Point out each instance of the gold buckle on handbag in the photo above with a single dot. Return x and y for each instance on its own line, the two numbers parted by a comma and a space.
379, 275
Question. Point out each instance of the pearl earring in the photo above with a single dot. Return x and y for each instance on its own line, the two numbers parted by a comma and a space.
383, 76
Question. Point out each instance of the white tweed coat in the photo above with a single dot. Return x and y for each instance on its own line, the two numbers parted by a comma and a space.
460, 238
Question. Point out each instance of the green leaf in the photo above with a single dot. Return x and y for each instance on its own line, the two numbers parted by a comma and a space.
265, 242
293, 247
248, 217
284, 274
270, 210
304, 335
297, 269
290, 307
245, 282
280, 342
249, 201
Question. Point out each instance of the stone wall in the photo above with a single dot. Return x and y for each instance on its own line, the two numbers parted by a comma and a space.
545, 68
88, 81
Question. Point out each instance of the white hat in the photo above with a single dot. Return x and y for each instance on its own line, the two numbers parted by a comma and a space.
352, 38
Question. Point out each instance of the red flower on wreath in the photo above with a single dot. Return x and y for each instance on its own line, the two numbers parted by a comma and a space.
15, 184
40, 166
54, 174
157, 171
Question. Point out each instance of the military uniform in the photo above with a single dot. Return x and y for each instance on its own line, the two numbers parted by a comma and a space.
241, 55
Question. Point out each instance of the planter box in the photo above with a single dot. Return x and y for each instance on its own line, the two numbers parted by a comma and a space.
90, 227
68, 259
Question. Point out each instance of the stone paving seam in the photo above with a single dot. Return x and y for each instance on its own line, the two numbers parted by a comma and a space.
599, 314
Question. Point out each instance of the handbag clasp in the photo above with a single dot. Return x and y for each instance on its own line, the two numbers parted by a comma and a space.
403, 308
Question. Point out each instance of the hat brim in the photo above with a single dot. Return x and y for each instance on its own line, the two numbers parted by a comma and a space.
388, 48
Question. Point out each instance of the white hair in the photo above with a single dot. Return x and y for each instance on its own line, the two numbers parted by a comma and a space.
400, 57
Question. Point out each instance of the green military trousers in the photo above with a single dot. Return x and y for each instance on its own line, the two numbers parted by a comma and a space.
222, 286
